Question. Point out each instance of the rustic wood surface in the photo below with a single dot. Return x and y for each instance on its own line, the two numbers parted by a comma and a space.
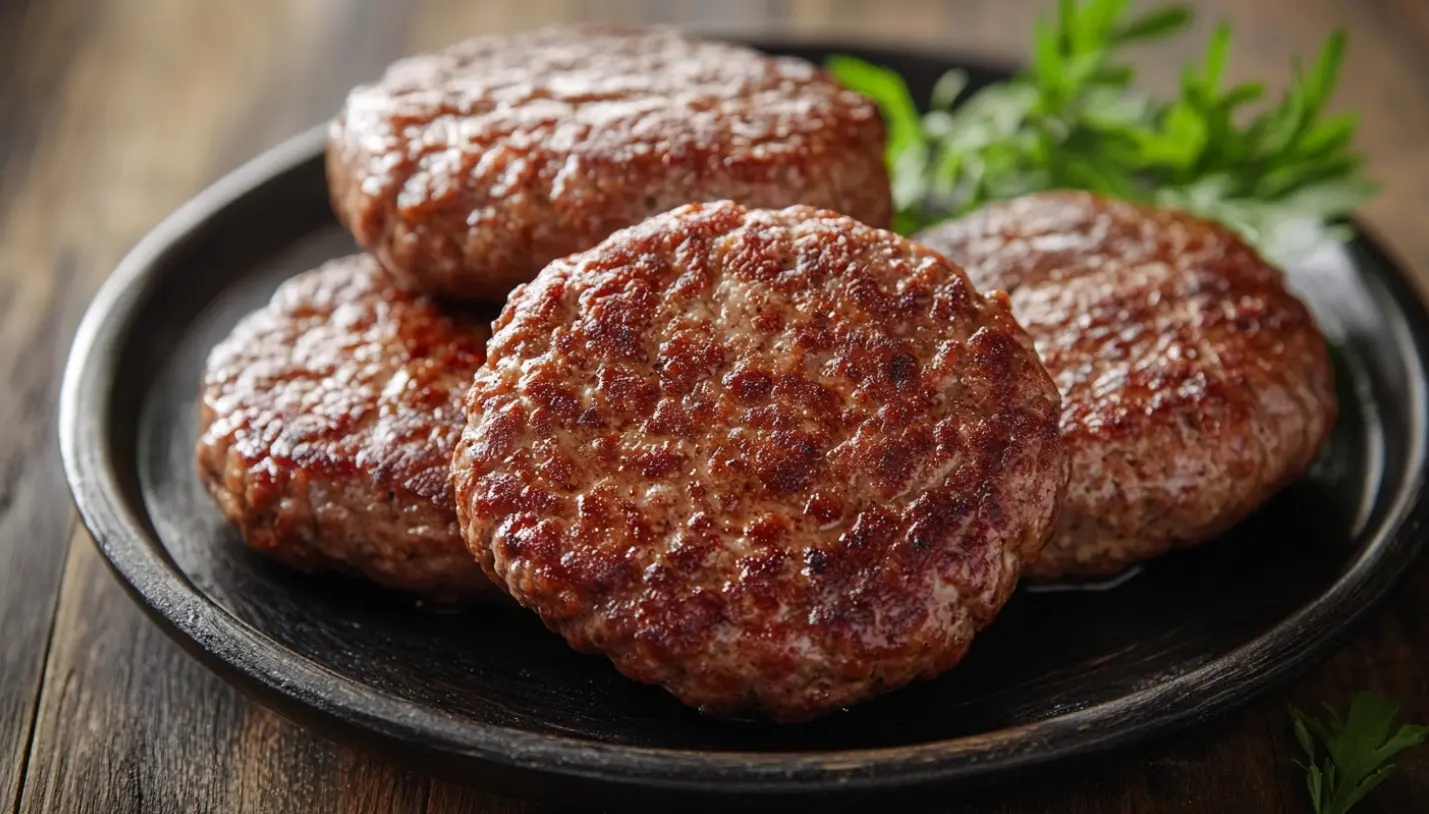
112, 112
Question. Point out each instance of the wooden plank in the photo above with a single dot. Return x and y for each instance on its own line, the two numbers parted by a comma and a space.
37, 268
35, 43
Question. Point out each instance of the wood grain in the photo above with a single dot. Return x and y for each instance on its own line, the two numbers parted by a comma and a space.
36, 317
113, 112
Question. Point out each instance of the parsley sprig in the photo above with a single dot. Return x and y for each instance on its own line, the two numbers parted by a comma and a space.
1073, 119
1349, 757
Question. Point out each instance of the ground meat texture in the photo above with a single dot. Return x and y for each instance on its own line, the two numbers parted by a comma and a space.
776, 461
1194, 384
466, 171
327, 423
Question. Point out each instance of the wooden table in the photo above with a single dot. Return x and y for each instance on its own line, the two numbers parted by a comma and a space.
113, 112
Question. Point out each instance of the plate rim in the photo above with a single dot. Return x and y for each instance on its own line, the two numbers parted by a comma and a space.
288, 680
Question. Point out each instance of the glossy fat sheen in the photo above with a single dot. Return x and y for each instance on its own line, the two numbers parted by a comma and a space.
328, 420
774, 461
1195, 385
466, 171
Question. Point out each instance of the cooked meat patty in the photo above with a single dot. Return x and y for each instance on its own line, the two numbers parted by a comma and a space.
775, 461
328, 420
466, 171
1194, 384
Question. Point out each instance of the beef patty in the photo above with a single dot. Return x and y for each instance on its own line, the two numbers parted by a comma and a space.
776, 461
1194, 384
328, 420
466, 171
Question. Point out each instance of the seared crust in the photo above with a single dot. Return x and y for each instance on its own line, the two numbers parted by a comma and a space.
1194, 384
774, 461
467, 170
328, 419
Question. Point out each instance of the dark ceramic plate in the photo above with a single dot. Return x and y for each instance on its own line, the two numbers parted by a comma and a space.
491, 697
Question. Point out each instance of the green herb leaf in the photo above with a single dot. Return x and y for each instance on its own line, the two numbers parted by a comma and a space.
1153, 24
1047, 64
1357, 750
1241, 94
1322, 79
1316, 781
947, 89
1330, 136
1066, 22
1093, 23
1073, 118
887, 88
1302, 737
1216, 55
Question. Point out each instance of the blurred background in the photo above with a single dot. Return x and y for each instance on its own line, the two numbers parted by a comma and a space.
155, 97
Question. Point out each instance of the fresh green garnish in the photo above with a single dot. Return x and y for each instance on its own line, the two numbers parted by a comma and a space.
1072, 120
1348, 757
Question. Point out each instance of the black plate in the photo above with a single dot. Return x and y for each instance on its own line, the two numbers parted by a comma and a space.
491, 697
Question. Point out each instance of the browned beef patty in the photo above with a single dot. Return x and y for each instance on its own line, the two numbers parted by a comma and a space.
776, 461
1194, 384
328, 420
466, 171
